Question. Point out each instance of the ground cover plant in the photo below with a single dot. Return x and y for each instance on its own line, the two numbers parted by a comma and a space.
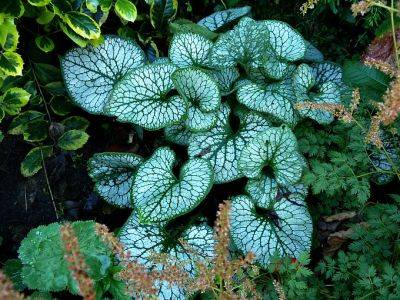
199, 149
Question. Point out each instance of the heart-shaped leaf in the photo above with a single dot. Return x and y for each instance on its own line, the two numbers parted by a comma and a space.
113, 175
159, 195
91, 73
225, 79
191, 244
222, 145
246, 43
221, 18
274, 99
202, 94
319, 84
142, 98
283, 229
273, 153
178, 134
190, 49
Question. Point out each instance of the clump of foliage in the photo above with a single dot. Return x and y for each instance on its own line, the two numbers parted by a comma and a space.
230, 98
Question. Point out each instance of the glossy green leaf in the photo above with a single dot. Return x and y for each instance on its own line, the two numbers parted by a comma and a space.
90, 74
275, 153
13, 100
1, 136
318, 85
246, 43
190, 49
162, 11
284, 229
72, 140
186, 26
126, 10
33, 161
274, 99
42, 254
45, 17
222, 146
194, 243
113, 174
11, 63
44, 43
312, 54
160, 195
142, 98
222, 18
202, 94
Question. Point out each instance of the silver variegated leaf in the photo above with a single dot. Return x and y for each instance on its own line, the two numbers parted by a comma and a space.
246, 44
274, 99
319, 84
113, 174
312, 53
178, 134
221, 18
284, 229
142, 241
222, 146
141, 98
286, 45
225, 79
160, 196
274, 152
91, 73
202, 94
190, 49
384, 161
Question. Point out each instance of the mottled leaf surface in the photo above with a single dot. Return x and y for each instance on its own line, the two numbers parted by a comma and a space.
273, 151
274, 99
113, 174
159, 195
142, 98
202, 94
219, 19
144, 240
190, 49
222, 146
284, 229
90, 73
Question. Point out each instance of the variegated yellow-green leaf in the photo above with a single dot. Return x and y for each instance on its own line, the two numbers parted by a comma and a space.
44, 43
33, 161
13, 100
11, 63
76, 38
45, 17
75, 122
19, 123
36, 131
8, 35
126, 10
39, 3
73, 140
162, 11
83, 25
12, 8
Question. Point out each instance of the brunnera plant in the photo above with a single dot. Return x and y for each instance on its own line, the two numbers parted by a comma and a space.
231, 100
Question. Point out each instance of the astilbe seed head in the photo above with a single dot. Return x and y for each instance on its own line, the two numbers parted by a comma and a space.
361, 8
7, 291
306, 6
76, 262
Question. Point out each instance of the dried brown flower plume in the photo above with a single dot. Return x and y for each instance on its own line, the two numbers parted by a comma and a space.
7, 291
